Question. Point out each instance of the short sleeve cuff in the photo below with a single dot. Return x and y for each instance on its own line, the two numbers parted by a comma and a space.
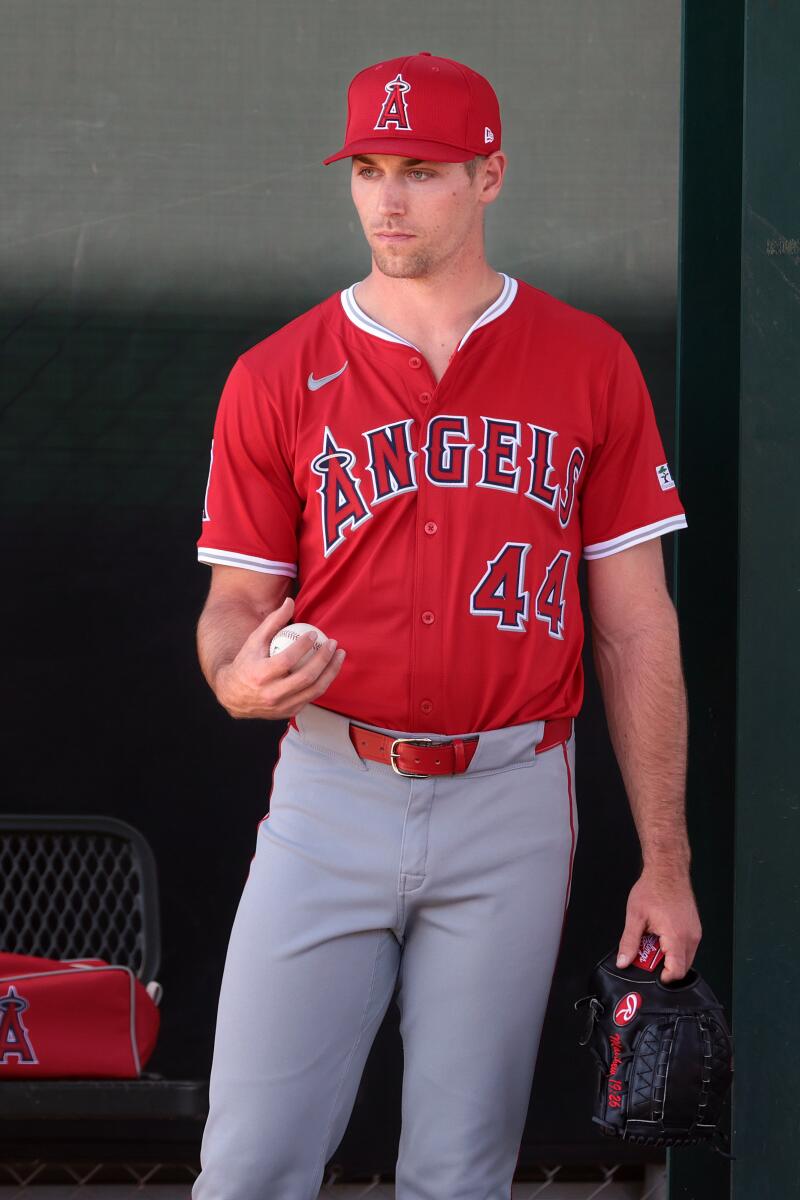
634, 536
231, 558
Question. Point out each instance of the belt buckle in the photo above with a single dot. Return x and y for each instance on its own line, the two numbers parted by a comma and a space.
393, 755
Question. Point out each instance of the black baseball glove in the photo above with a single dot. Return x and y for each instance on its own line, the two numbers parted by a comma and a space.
664, 1052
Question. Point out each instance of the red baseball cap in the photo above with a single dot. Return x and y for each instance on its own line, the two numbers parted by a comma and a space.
421, 106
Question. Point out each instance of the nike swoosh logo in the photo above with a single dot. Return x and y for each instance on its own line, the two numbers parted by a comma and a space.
314, 384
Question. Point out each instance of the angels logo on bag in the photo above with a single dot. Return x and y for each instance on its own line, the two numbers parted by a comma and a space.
627, 1008
14, 1038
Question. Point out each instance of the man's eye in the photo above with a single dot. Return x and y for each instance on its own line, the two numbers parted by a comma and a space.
420, 174
365, 171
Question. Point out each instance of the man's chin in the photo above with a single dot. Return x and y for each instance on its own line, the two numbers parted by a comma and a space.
401, 266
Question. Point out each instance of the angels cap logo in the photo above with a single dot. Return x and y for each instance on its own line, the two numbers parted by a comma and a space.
394, 112
627, 1008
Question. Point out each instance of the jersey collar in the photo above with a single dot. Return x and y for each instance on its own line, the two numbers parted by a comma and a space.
360, 318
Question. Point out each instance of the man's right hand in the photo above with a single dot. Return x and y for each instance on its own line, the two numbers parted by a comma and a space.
255, 685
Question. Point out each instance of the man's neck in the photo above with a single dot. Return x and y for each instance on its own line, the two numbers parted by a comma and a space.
444, 305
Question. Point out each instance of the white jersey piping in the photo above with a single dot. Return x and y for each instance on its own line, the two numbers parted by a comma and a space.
634, 537
230, 558
362, 321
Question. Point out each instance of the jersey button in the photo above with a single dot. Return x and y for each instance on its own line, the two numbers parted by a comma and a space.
428, 617
425, 397
415, 362
431, 527
426, 706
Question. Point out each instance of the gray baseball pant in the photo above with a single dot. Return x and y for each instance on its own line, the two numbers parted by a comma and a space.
448, 894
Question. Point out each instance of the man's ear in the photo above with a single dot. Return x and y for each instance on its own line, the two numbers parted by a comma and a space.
493, 175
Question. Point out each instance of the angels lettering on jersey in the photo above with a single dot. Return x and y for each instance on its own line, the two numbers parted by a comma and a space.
449, 459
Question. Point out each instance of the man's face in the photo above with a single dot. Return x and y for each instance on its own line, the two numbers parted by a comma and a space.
416, 215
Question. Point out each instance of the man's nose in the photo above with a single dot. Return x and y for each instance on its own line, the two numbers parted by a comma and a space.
390, 198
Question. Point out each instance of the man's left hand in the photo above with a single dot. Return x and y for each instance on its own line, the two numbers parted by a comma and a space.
663, 904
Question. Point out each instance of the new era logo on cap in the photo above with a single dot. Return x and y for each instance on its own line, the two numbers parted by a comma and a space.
421, 106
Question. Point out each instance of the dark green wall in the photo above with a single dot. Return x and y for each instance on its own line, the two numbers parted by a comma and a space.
767, 916
738, 579
707, 456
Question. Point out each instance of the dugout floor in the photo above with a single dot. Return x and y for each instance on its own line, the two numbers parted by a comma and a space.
653, 1188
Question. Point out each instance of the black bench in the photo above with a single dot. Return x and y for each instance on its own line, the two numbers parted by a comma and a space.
86, 887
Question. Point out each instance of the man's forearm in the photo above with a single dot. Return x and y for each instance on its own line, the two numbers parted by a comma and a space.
222, 630
644, 694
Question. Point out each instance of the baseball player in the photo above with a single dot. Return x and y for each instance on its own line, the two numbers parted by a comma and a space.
416, 466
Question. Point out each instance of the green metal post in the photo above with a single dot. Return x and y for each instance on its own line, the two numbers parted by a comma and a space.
706, 464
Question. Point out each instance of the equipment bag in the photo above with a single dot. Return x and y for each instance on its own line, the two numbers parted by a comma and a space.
78, 1019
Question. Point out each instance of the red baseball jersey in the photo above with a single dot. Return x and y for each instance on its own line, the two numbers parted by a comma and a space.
435, 530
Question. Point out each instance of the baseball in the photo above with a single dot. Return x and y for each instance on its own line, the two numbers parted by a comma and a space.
290, 633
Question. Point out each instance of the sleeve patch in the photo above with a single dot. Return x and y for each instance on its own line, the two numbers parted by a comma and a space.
665, 480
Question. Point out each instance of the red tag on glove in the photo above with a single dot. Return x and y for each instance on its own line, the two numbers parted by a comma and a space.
650, 953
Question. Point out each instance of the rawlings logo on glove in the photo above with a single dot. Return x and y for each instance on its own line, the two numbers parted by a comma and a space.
664, 1052
627, 1008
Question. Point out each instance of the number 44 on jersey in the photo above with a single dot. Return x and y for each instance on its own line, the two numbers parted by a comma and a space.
502, 592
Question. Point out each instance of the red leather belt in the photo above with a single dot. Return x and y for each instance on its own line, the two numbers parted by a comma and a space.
420, 756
